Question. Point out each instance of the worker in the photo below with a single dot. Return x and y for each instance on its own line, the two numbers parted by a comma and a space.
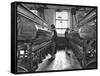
67, 40
54, 42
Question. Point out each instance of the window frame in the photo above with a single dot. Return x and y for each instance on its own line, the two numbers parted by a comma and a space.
68, 20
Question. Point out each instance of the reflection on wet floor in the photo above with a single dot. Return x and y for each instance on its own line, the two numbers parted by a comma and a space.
61, 62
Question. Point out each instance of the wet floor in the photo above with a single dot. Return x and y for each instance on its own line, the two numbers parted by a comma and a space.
62, 61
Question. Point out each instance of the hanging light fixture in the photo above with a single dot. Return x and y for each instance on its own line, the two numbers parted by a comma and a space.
59, 17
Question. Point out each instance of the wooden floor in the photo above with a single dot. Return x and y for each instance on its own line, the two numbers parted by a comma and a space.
62, 61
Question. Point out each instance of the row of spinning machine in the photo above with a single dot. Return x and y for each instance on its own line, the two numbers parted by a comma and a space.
83, 38
33, 40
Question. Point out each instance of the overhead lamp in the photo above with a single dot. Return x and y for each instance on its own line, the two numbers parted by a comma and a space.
59, 17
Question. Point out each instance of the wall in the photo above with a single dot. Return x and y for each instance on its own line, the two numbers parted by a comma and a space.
49, 16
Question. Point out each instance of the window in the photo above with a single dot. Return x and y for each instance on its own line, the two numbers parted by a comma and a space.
62, 22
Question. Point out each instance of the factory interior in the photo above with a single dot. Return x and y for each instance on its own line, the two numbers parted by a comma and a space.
56, 37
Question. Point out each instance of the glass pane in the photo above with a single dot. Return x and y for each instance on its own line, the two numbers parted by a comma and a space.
60, 31
62, 15
65, 24
58, 15
62, 24
58, 24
